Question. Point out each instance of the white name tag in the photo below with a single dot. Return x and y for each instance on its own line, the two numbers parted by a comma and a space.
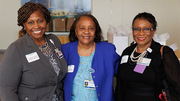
89, 84
70, 68
32, 57
144, 61
124, 59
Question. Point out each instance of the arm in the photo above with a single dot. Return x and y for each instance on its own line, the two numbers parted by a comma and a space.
172, 71
10, 74
116, 60
118, 89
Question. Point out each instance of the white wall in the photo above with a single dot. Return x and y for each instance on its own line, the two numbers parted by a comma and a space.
8, 22
122, 12
115, 12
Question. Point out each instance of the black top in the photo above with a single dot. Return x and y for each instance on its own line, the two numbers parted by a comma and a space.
133, 86
138, 87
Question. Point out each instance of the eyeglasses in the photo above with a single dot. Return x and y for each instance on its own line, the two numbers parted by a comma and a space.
145, 30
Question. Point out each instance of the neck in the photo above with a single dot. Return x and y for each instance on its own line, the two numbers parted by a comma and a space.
40, 42
141, 48
81, 46
86, 50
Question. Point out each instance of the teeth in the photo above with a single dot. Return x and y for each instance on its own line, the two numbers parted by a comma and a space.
86, 37
37, 31
141, 38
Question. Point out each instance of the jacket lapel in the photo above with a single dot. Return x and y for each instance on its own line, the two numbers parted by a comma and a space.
32, 47
53, 47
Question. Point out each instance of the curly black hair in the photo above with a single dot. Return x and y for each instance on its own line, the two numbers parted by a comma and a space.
25, 12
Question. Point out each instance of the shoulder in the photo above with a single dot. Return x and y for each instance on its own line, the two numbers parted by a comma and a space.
129, 49
69, 49
53, 39
155, 46
105, 45
20, 42
167, 49
52, 36
70, 44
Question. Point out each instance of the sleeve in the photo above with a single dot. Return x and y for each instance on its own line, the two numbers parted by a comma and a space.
116, 58
172, 72
10, 74
65, 51
118, 89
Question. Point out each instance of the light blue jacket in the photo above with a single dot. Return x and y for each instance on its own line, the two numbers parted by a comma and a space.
105, 63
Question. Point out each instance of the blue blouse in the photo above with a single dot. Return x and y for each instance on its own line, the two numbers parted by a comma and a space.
79, 92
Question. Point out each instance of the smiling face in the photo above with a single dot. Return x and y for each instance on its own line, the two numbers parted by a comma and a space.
35, 26
142, 38
85, 31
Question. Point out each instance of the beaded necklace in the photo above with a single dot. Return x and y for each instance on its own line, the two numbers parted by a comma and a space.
135, 59
45, 49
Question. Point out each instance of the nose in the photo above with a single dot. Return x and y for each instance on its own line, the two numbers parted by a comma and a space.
36, 25
86, 31
141, 32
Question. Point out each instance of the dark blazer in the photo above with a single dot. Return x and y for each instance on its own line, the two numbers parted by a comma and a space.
30, 81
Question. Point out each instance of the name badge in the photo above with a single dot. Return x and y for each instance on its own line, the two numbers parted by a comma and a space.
124, 59
89, 84
58, 53
140, 68
70, 68
32, 57
149, 50
144, 61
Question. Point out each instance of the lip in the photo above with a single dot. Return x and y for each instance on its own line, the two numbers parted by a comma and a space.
141, 39
37, 32
86, 37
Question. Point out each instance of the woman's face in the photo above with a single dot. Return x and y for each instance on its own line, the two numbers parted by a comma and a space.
35, 26
85, 31
144, 36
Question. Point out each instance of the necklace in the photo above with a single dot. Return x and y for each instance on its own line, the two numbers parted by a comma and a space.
45, 49
88, 56
135, 59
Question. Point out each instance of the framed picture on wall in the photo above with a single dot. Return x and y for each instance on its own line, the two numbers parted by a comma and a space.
63, 12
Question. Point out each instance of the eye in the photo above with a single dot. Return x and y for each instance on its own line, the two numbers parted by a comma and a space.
81, 28
91, 28
30, 23
40, 21
136, 29
146, 29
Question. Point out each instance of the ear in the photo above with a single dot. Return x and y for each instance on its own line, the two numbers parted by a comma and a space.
23, 25
75, 32
153, 32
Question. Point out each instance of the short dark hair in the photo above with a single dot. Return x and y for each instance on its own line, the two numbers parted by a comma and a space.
147, 16
98, 32
25, 12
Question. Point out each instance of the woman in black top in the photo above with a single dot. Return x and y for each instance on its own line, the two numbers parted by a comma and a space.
140, 71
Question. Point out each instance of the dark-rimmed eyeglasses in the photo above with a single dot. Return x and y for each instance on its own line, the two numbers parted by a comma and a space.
145, 30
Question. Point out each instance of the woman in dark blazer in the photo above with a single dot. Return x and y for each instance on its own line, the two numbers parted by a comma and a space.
33, 67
